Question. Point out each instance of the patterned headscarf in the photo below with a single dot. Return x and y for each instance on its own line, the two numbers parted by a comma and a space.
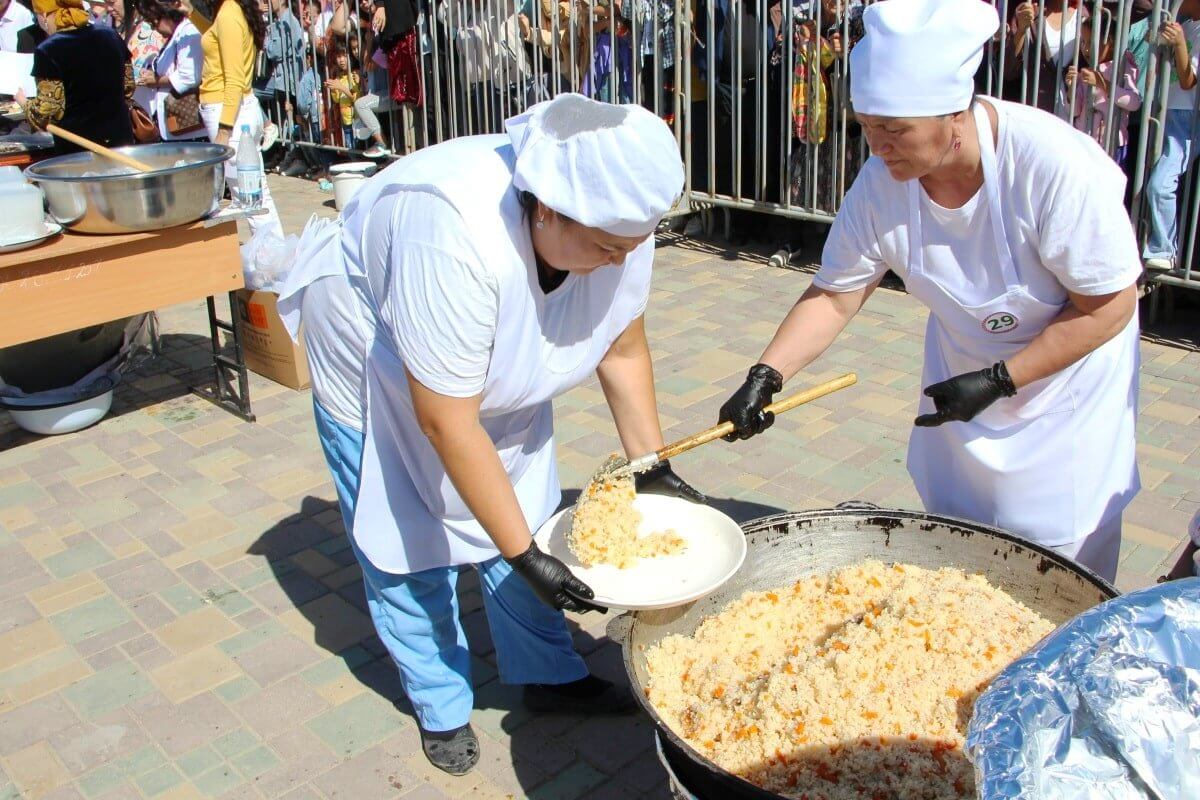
67, 13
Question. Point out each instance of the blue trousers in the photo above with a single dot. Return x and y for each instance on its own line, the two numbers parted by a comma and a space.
416, 616
1179, 152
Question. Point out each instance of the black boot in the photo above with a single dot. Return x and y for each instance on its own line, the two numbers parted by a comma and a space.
274, 158
296, 169
455, 751
588, 695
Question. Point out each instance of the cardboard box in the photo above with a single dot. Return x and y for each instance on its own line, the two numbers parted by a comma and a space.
268, 349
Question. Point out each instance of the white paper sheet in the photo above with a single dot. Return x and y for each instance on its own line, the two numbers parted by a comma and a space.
15, 73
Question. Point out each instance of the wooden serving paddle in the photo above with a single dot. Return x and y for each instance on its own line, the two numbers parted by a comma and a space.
618, 467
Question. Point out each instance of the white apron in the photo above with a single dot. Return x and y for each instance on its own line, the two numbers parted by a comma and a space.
1054, 462
408, 515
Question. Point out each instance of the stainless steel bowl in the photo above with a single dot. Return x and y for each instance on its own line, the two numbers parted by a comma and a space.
83, 199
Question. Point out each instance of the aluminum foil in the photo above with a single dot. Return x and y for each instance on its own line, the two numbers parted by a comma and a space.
1105, 708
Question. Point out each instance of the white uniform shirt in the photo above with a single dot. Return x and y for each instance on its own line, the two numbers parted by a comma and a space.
16, 18
1056, 462
459, 308
1063, 218
336, 349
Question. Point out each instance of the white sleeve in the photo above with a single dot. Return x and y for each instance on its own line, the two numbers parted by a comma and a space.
852, 259
1085, 237
441, 303
639, 268
189, 59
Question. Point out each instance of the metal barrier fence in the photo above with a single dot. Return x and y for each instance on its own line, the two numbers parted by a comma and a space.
757, 91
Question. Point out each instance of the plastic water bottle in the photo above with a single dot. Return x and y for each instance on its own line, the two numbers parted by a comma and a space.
249, 171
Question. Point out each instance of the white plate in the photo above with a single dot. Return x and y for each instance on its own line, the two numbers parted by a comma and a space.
49, 229
715, 550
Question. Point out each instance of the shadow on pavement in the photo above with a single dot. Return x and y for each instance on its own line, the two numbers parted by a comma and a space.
184, 360
499, 712
1168, 316
539, 746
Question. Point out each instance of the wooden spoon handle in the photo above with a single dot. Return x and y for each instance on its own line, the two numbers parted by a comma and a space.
787, 404
99, 149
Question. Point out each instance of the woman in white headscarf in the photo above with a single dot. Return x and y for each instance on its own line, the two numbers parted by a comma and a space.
1008, 224
463, 289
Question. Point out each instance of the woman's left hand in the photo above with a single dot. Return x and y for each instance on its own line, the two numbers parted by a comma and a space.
147, 78
661, 479
223, 135
21, 98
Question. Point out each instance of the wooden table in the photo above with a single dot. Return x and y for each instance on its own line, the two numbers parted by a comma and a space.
75, 280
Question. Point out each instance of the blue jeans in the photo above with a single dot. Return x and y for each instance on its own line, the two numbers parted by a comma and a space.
416, 616
1179, 152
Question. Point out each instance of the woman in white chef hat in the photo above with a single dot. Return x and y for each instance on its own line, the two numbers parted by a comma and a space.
463, 289
1008, 224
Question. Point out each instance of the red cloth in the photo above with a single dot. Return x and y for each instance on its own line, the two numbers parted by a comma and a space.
404, 69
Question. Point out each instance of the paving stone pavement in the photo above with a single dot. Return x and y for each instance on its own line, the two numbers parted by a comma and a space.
181, 615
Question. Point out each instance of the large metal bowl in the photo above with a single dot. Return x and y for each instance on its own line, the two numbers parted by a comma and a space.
80, 198
786, 547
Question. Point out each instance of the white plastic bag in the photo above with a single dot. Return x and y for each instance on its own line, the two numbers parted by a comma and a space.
265, 259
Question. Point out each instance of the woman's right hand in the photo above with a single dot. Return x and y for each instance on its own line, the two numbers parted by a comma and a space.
552, 582
223, 135
379, 19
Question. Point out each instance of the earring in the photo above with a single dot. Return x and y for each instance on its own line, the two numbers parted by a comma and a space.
541, 223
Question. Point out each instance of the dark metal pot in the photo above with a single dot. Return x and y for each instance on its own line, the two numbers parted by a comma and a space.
786, 547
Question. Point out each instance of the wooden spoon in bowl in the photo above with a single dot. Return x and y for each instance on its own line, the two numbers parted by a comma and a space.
100, 149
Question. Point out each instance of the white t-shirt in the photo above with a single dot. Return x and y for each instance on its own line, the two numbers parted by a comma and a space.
440, 302
1055, 41
1178, 98
16, 18
440, 307
1061, 199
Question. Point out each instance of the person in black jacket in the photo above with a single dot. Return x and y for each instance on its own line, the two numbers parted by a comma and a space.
84, 78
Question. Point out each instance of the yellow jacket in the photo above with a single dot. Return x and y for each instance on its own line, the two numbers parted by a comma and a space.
229, 55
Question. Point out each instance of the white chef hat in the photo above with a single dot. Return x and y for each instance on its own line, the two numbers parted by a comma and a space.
918, 57
612, 167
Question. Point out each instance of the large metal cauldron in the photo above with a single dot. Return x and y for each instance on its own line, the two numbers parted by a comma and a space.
783, 548
80, 197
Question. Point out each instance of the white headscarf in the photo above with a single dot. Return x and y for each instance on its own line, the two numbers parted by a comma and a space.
918, 57
612, 167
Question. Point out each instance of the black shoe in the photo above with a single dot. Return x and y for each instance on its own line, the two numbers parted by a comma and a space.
296, 169
589, 695
277, 159
455, 751
281, 164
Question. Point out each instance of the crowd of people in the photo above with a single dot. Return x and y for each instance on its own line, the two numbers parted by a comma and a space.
382, 77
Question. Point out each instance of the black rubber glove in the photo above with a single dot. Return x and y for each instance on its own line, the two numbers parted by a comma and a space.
552, 582
960, 398
661, 479
744, 408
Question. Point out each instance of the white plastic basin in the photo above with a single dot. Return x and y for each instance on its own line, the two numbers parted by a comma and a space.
66, 418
